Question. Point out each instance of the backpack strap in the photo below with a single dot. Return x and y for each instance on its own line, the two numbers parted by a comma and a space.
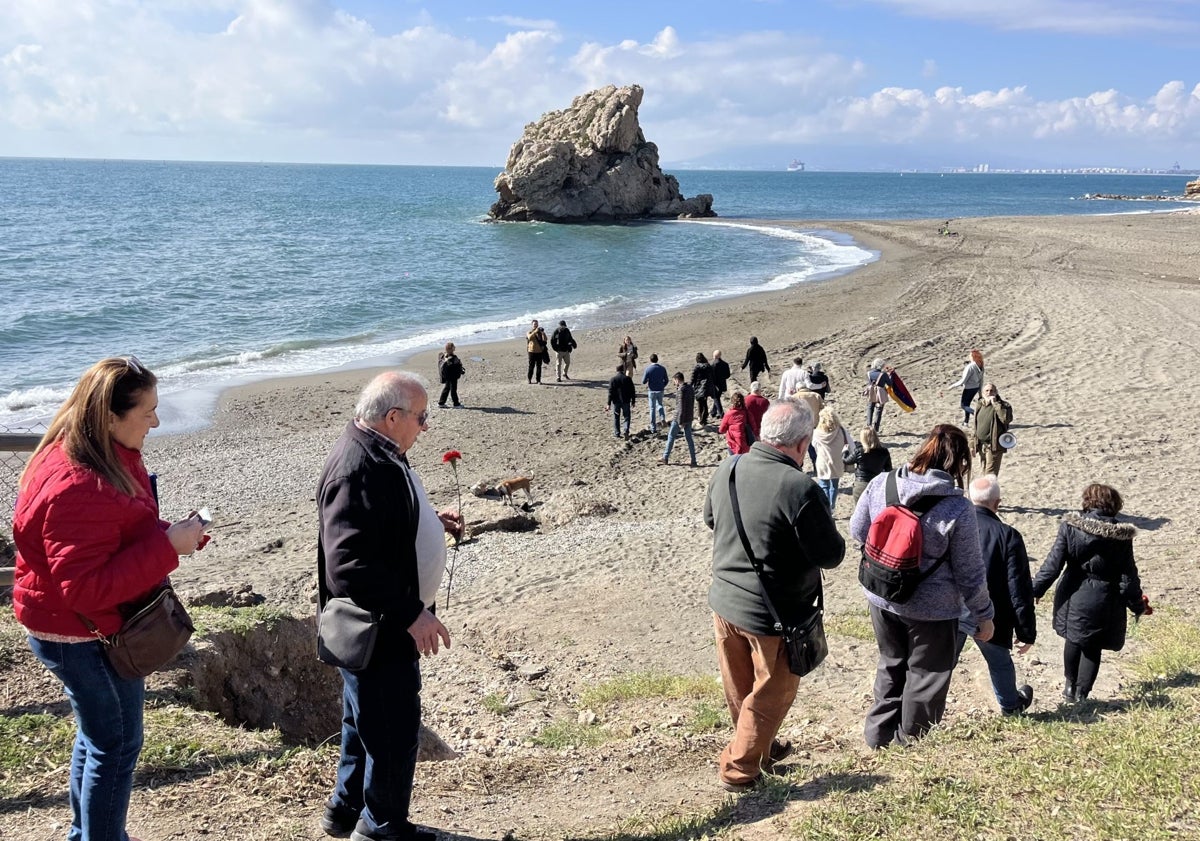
754, 561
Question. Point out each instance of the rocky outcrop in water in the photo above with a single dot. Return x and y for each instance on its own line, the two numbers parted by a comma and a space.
1192, 190
590, 163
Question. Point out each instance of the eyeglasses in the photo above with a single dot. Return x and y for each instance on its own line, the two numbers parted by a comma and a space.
134, 365
421, 418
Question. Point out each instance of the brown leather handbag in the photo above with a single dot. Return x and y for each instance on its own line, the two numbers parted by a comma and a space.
153, 633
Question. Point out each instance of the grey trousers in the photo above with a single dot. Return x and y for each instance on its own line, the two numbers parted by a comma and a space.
916, 660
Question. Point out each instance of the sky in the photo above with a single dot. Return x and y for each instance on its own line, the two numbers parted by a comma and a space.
738, 84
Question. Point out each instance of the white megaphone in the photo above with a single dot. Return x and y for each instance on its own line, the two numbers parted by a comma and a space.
1007, 440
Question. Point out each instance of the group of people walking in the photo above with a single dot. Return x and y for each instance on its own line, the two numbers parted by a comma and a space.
90, 542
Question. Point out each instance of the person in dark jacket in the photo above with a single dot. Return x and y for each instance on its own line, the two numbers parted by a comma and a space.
1011, 590
869, 458
381, 544
818, 380
755, 359
684, 405
562, 343
621, 395
720, 380
1093, 554
703, 386
450, 371
793, 537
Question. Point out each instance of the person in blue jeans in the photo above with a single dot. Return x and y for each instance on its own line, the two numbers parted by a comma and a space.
685, 403
655, 378
621, 395
1011, 589
90, 542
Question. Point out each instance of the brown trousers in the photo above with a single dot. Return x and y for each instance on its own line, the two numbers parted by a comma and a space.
759, 689
989, 460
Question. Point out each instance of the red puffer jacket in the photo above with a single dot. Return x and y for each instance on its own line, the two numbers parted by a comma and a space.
85, 547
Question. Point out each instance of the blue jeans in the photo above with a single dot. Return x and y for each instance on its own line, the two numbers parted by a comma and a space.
671, 435
656, 406
621, 410
830, 486
108, 736
1001, 670
381, 716
968, 396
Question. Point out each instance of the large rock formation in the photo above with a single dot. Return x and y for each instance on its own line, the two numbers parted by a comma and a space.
1192, 190
590, 163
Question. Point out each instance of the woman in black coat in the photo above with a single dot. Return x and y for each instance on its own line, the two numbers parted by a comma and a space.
1094, 555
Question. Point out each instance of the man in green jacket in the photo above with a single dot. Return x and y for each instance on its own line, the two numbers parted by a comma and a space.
792, 534
992, 417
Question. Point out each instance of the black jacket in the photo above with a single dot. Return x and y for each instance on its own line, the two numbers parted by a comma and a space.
756, 358
685, 405
1008, 579
720, 375
1094, 555
620, 390
367, 530
562, 340
869, 464
702, 380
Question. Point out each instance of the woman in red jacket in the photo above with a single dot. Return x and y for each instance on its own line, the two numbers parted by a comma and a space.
735, 426
89, 540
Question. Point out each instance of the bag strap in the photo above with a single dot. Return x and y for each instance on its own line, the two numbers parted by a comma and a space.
754, 561
921, 507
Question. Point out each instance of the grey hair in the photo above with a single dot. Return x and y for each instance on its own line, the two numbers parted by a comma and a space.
877, 363
390, 390
986, 490
755, 387
787, 423
817, 367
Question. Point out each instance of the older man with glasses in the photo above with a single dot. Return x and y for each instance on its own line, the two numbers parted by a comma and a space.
381, 544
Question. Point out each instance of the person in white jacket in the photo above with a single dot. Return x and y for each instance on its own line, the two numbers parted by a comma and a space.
793, 378
829, 439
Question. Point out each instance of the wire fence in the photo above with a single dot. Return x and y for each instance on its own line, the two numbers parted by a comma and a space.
15, 447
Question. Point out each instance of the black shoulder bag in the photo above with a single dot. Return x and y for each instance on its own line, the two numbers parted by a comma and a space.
805, 643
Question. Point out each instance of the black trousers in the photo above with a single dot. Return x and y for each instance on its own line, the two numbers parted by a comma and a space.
535, 364
450, 390
1081, 664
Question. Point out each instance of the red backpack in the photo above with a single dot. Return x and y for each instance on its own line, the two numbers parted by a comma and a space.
891, 556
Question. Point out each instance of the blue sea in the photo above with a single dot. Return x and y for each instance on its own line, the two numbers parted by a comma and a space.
219, 274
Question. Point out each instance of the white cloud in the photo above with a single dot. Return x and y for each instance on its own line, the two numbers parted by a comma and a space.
304, 80
1091, 17
522, 23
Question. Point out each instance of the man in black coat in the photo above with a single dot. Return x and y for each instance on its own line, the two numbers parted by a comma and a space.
371, 508
621, 395
756, 358
720, 378
562, 343
1011, 589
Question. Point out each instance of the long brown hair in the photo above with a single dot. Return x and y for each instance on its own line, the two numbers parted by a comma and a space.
945, 448
83, 423
977, 358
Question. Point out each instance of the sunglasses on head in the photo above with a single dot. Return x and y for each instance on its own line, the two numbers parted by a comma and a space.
134, 365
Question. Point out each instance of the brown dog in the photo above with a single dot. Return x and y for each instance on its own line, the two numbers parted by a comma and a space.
507, 487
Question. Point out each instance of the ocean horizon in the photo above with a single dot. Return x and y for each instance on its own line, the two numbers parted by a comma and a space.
218, 274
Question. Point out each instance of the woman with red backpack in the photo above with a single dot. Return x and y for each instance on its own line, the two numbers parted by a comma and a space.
921, 564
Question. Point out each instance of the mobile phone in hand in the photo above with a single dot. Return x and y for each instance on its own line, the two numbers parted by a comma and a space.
204, 517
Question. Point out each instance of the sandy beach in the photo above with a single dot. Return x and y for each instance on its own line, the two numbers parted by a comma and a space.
1090, 326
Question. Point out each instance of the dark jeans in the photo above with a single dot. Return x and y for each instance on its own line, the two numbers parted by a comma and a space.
1001, 671
968, 395
621, 410
1081, 664
108, 736
450, 390
672, 433
717, 409
874, 415
381, 716
535, 366
702, 410
912, 679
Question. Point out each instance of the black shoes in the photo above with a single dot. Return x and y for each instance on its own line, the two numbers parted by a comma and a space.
1025, 693
339, 821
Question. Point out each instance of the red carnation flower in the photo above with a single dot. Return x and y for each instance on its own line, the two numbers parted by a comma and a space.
451, 456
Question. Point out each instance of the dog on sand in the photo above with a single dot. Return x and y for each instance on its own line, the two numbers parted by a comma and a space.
507, 487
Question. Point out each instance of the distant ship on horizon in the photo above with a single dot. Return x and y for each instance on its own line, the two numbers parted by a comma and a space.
796, 165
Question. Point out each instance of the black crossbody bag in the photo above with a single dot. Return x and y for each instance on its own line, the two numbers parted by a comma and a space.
805, 643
